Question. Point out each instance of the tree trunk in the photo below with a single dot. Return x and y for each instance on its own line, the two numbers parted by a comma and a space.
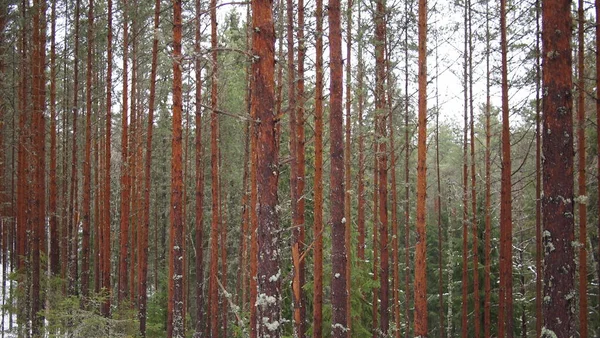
87, 164
581, 177
347, 167
37, 200
73, 212
53, 188
361, 145
318, 183
268, 272
106, 241
505, 316
475, 224
214, 158
381, 154
295, 195
300, 158
538, 181
487, 318
199, 182
125, 178
143, 232
465, 184
420, 259
337, 188
176, 318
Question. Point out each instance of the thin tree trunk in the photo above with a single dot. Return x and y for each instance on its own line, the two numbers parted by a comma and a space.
375, 296
487, 318
538, 181
381, 154
336, 150
37, 200
474, 221
143, 233
268, 272
347, 167
53, 188
443, 333
465, 184
420, 259
300, 158
176, 318
505, 316
407, 290
106, 241
125, 178
295, 196
214, 158
318, 182
199, 182
581, 177
361, 145
73, 212
87, 164
395, 234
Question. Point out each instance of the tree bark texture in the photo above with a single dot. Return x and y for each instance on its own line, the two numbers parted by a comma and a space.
557, 150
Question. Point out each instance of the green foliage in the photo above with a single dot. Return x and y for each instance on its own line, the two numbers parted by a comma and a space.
66, 316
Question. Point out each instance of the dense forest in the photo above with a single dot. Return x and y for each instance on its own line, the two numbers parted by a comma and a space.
295, 168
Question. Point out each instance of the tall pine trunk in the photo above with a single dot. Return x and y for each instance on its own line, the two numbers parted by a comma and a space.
557, 149
106, 241
581, 176
125, 178
336, 179
505, 316
262, 104
176, 318
420, 258
143, 233
87, 164
318, 182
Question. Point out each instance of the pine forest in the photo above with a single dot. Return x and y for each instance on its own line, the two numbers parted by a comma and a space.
300, 168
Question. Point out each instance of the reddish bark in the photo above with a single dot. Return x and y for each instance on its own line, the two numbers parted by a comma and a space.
420, 258
295, 195
557, 148
199, 180
106, 241
336, 181
176, 318
262, 103
318, 182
